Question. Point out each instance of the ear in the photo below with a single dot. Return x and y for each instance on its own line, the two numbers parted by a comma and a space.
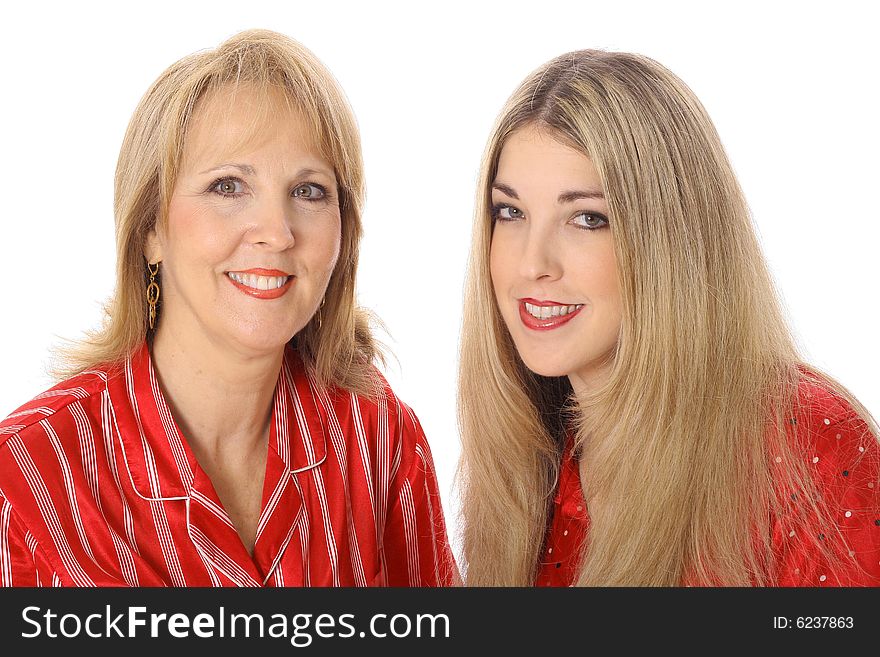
153, 246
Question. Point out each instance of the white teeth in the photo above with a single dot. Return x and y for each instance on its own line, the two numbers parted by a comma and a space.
258, 282
546, 312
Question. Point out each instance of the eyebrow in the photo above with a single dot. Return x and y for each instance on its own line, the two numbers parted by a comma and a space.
501, 187
577, 194
564, 197
250, 171
308, 171
244, 168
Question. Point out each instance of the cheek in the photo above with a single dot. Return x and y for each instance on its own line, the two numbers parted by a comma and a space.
324, 243
498, 261
195, 234
596, 267
612, 285
606, 287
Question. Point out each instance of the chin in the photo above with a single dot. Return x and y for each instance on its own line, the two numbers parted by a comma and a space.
259, 339
545, 366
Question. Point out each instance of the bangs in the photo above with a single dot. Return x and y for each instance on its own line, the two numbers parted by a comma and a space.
281, 79
268, 106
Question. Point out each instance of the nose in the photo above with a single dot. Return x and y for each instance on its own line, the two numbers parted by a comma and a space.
272, 225
539, 256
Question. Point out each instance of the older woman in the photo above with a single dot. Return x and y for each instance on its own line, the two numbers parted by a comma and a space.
227, 426
634, 410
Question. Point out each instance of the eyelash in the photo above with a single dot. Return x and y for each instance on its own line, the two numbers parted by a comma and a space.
213, 188
499, 207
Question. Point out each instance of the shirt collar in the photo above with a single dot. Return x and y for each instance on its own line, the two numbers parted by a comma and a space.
160, 464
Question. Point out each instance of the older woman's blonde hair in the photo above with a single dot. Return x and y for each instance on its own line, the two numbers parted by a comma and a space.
674, 445
336, 342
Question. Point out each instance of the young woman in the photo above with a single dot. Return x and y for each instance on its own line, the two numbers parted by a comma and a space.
633, 407
227, 425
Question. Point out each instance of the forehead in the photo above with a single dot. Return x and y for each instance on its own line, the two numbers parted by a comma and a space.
234, 120
533, 159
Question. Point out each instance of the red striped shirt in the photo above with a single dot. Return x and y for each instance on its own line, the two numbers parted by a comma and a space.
98, 487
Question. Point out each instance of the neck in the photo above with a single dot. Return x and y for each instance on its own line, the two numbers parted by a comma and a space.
588, 379
221, 399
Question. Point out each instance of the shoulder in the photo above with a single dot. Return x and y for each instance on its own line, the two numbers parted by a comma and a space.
51, 404
840, 450
818, 399
41, 442
840, 447
826, 420
376, 416
379, 405
384, 405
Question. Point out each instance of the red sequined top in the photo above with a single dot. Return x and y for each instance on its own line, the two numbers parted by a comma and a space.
845, 457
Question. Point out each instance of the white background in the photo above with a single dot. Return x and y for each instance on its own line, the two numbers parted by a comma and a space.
790, 86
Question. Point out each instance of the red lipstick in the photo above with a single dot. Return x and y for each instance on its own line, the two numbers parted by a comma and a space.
549, 323
272, 293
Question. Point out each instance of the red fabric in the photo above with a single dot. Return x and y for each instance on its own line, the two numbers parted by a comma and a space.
99, 488
845, 458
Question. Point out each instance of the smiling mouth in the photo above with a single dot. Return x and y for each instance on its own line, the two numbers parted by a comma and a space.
548, 312
257, 282
546, 315
261, 283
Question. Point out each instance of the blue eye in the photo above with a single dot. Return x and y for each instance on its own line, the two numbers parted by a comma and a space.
310, 191
504, 212
590, 220
227, 187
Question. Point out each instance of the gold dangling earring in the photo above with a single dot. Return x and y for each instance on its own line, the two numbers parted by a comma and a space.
153, 292
320, 314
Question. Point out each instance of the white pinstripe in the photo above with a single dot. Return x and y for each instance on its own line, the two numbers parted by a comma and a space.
329, 534
337, 440
5, 556
42, 410
428, 466
90, 468
108, 424
364, 452
169, 550
220, 559
79, 393
409, 530
216, 510
48, 511
303, 525
271, 505
69, 489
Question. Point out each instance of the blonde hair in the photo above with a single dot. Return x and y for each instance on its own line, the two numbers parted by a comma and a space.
337, 342
674, 445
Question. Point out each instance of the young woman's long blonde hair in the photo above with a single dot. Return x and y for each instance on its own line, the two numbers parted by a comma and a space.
674, 447
337, 342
